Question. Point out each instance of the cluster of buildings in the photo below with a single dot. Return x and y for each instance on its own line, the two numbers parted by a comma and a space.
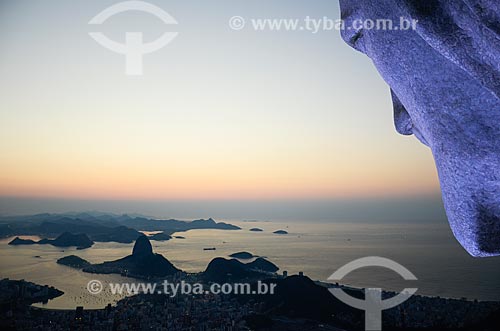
21, 291
434, 312
141, 312
196, 312
206, 312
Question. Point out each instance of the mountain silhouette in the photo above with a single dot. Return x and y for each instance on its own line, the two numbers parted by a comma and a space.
142, 263
221, 269
142, 247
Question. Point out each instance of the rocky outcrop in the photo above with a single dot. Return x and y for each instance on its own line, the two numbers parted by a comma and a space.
143, 263
226, 270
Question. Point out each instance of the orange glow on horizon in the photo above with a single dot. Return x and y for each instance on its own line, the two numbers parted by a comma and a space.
218, 181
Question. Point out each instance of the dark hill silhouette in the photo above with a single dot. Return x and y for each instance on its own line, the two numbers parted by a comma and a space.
73, 261
68, 239
227, 270
261, 264
143, 263
300, 297
162, 236
224, 270
142, 247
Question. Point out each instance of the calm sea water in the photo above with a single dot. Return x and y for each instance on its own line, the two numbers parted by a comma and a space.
442, 267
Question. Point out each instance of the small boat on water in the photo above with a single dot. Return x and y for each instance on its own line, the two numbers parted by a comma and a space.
209, 249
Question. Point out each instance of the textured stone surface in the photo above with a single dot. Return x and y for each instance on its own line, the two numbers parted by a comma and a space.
445, 84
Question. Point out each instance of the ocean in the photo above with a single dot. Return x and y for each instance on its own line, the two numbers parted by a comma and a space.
429, 251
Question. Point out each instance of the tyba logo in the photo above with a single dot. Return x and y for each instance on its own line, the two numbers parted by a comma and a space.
373, 303
134, 47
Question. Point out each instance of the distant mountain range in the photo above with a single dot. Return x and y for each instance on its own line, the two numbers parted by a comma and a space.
101, 227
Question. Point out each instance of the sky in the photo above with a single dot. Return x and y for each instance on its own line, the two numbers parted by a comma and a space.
218, 114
